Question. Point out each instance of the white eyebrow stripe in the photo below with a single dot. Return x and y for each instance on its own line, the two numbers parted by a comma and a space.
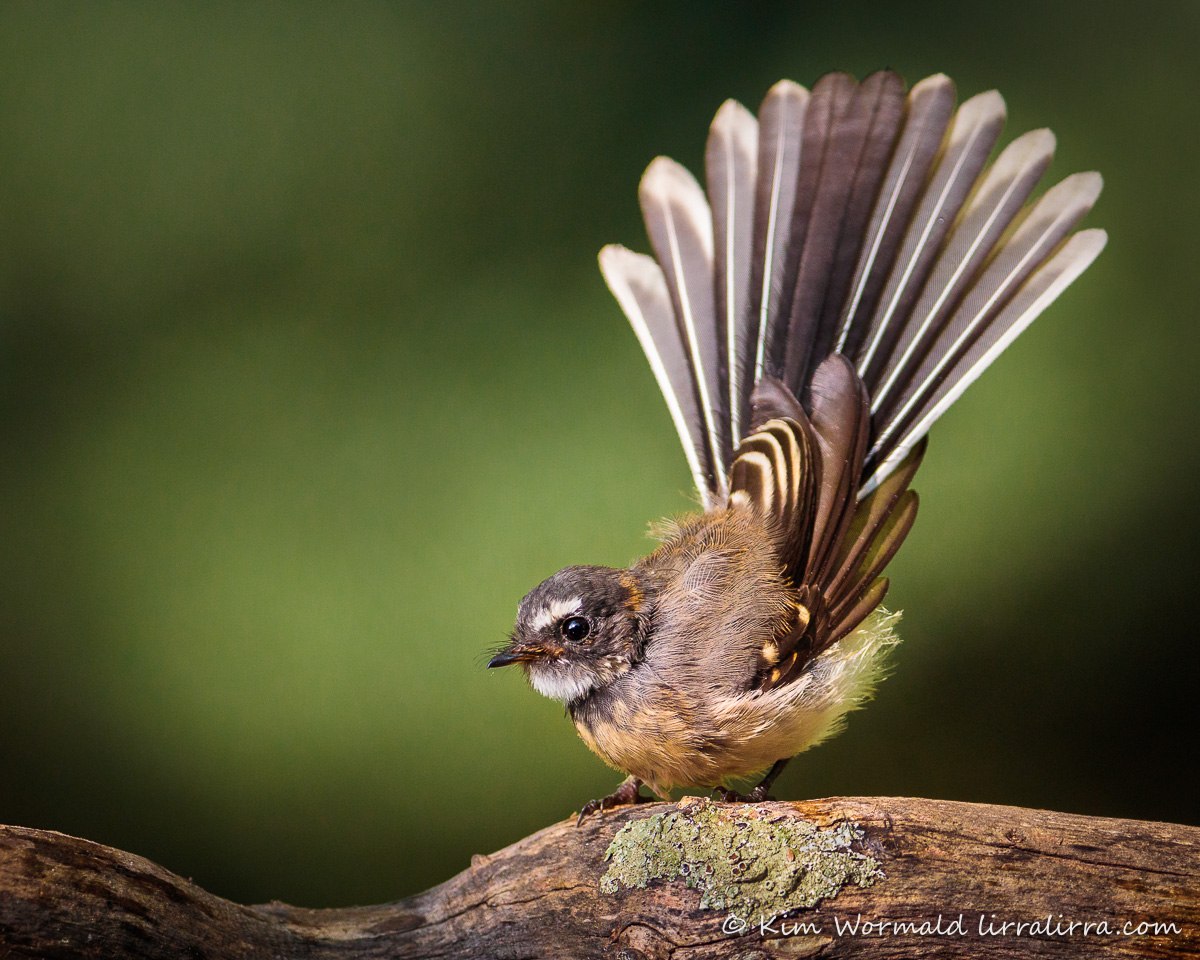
555, 610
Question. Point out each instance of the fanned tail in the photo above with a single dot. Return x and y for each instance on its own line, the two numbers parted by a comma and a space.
855, 265
854, 220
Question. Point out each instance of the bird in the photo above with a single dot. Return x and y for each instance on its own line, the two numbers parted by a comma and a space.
851, 263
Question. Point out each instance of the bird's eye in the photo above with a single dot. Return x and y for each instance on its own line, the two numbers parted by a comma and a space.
575, 629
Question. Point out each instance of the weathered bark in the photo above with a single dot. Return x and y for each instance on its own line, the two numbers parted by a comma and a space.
542, 897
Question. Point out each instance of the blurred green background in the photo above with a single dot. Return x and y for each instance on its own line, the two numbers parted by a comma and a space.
308, 374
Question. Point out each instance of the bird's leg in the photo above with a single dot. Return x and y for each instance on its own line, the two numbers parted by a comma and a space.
759, 793
627, 793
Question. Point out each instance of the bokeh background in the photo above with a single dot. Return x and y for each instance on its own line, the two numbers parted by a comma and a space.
307, 374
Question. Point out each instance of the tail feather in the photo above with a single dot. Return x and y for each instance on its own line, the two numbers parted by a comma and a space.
637, 282
856, 145
1038, 292
1032, 241
679, 222
730, 166
885, 91
781, 122
828, 127
840, 423
888, 540
928, 110
865, 604
972, 135
1002, 192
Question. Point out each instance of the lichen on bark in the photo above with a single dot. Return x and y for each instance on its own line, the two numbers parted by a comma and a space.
743, 859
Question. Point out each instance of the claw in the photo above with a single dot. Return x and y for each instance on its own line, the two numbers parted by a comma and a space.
592, 806
759, 793
626, 794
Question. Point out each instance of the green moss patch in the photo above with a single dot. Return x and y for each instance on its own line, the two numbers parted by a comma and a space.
745, 860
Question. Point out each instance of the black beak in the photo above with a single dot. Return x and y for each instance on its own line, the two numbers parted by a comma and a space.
504, 658
519, 653
515, 654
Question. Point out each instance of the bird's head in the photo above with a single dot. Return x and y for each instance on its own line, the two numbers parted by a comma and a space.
577, 631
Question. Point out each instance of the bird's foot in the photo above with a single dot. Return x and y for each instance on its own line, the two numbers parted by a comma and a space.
757, 795
626, 794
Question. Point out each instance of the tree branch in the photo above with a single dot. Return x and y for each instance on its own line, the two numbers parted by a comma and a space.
693, 880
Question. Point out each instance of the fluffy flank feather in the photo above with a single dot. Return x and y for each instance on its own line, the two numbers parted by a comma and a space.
791, 718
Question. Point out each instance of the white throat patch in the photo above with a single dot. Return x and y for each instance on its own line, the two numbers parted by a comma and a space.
559, 683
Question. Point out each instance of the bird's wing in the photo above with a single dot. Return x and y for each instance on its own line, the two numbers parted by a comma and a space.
857, 221
799, 473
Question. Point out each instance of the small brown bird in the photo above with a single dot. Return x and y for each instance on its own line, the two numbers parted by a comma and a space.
855, 265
